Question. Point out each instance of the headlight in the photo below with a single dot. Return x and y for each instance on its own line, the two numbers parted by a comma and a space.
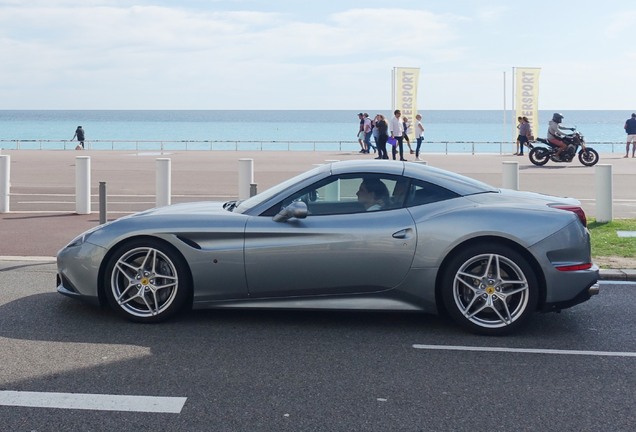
80, 239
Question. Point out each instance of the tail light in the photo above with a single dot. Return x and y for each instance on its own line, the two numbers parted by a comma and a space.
575, 267
575, 209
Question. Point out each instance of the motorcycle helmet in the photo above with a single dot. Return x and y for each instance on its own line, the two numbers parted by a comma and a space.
557, 117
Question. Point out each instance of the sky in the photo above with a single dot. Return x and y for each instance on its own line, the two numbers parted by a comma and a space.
321, 54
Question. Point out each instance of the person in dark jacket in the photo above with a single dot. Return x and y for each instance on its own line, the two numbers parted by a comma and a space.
630, 128
79, 133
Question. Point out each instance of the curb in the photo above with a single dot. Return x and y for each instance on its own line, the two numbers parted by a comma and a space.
617, 275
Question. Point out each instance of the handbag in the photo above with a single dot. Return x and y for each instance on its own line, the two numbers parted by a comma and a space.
391, 141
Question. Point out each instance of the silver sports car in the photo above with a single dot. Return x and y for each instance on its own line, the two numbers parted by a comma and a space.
371, 235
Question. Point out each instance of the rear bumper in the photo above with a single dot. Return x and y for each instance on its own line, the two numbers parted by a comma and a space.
583, 296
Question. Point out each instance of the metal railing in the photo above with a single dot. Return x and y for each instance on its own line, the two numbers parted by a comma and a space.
437, 147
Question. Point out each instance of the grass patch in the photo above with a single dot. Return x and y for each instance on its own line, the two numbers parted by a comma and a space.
605, 241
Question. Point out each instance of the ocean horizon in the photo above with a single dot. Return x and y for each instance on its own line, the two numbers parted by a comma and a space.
445, 130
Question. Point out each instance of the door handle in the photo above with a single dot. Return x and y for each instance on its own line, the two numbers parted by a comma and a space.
401, 234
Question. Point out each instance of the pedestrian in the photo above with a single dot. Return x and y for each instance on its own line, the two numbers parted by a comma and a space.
368, 131
630, 128
360, 133
374, 132
524, 133
405, 133
419, 135
519, 121
79, 133
396, 128
383, 128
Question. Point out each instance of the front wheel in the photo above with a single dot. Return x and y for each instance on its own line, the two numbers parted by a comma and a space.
147, 281
588, 157
489, 289
539, 156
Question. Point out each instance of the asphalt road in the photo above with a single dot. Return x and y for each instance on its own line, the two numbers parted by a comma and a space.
312, 371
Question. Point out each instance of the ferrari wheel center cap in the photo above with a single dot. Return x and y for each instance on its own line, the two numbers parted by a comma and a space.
145, 281
490, 290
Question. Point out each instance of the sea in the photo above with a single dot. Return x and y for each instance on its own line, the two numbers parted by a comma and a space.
446, 131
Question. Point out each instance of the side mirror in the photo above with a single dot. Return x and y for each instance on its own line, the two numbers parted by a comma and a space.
297, 209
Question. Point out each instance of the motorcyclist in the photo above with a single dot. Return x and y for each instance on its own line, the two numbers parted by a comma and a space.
555, 135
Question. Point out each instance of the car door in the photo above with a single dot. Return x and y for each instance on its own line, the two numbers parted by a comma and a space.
355, 252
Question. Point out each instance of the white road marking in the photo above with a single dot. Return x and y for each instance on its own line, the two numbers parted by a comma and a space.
99, 402
525, 350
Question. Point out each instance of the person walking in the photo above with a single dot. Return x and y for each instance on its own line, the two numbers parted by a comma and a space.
405, 133
630, 128
396, 128
368, 131
419, 135
519, 120
360, 134
524, 133
382, 128
79, 133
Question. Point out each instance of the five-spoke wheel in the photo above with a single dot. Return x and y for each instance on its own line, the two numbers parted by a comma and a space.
489, 289
146, 281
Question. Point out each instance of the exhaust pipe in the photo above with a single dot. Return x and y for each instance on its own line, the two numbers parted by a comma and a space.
594, 289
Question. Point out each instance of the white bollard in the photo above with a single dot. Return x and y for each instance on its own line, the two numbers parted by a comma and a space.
163, 182
603, 184
5, 182
510, 175
83, 184
246, 177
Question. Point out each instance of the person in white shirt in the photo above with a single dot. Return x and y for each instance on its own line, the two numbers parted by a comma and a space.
419, 135
396, 129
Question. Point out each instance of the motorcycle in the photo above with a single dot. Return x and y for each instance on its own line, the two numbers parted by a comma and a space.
540, 155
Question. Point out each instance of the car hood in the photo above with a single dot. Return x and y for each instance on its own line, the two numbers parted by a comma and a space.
191, 208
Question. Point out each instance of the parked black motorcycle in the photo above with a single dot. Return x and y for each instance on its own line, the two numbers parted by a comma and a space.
540, 155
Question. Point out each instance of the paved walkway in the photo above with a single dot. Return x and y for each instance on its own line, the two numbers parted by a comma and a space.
42, 202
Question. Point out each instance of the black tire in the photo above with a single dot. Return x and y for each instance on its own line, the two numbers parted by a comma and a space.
588, 157
489, 289
146, 280
539, 156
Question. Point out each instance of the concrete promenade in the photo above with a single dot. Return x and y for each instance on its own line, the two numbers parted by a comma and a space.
42, 216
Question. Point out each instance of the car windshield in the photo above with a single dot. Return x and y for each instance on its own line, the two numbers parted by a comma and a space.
251, 202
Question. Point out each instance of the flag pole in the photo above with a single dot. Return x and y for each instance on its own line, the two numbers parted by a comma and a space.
392, 90
513, 82
503, 136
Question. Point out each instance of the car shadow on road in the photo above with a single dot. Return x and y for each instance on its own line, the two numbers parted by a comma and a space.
60, 319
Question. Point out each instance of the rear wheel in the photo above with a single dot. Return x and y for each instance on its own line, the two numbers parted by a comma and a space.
588, 157
539, 156
147, 281
489, 289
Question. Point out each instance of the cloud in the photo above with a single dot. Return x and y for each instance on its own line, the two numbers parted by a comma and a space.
93, 46
206, 54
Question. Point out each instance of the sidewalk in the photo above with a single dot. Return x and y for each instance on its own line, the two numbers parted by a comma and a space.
42, 203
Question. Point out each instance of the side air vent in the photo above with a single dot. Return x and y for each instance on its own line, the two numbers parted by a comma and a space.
189, 242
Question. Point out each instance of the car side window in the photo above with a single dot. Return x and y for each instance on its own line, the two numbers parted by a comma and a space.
344, 194
425, 193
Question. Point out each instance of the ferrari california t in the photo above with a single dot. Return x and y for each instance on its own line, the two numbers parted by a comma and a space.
353, 235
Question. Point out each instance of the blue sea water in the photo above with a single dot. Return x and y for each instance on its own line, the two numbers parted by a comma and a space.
452, 131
